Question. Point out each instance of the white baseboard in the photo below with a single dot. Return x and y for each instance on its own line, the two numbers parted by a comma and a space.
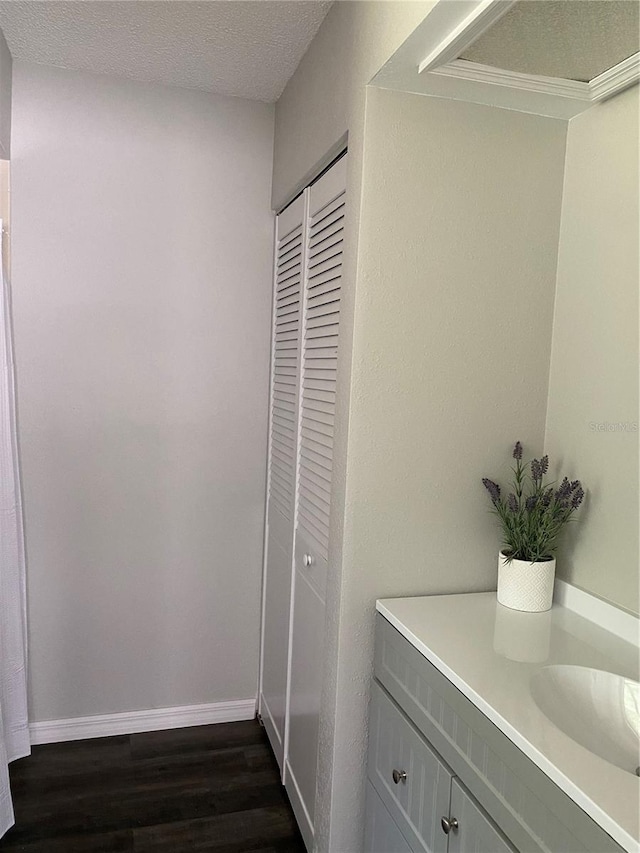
130, 722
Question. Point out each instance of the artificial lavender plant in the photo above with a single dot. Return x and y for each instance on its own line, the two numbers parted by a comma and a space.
534, 513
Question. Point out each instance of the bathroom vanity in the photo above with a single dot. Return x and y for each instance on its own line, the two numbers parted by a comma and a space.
485, 725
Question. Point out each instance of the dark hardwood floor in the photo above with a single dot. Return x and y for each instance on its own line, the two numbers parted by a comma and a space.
204, 788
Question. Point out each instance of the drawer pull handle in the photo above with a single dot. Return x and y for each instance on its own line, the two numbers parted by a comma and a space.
307, 561
448, 824
399, 776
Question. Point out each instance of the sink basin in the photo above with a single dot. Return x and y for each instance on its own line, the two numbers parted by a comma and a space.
597, 709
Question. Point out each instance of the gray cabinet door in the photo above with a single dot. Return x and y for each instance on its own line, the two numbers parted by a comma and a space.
475, 832
412, 781
381, 834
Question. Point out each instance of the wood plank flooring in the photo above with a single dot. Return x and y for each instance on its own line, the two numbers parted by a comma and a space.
198, 789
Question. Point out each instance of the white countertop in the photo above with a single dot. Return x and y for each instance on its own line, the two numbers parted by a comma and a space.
490, 653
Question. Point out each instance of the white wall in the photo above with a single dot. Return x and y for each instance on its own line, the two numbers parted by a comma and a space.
6, 64
142, 241
592, 417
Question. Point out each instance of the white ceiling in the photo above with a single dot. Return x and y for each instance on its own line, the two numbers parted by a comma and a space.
573, 39
230, 47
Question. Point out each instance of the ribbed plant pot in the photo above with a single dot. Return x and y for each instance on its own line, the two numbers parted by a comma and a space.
526, 586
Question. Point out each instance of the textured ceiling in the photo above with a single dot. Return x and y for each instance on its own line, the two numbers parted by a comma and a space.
231, 47
574, 39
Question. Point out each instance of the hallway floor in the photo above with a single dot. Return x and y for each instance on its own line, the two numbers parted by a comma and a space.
198, 789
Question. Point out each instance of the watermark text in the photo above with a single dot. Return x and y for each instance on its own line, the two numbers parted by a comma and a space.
613, 426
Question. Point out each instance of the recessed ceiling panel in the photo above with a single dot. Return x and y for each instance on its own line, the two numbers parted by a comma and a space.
571, 39
245, 48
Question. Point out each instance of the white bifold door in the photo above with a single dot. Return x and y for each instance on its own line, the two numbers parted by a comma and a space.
308, 279
283, 452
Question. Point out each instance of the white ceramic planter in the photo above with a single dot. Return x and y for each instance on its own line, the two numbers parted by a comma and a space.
526, 586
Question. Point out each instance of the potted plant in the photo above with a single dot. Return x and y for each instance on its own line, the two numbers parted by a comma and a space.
532, 516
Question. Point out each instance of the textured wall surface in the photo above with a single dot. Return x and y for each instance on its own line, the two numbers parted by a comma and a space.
142, 243
576, 41
325, 97
592, 422
245, 49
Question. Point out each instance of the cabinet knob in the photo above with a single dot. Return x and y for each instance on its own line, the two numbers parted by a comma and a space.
307, 561
399, 776
448, 824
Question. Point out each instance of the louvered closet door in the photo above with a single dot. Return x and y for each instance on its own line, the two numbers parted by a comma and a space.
283, 440
323, 280
321, 312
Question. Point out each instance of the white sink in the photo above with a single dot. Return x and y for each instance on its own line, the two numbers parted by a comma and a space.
599, 710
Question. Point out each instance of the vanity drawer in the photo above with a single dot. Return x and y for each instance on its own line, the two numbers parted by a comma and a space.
412, 781
531, 809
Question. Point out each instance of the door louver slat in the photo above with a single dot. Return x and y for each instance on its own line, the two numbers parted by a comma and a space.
283, 392
321, 331
323, 401
329, 229
332, 265
282, 442
289, 278
285, 405
290, 253
318, 426
288, 248
324, 415
288, 292
320, 216
331, 254
329, 242
312, 526
283, 456
318, 441
321, 461
319, 385
286, 324
312, 496
324, 287
325, 271
292, 236
284, 424
317, 482
290, 299
327, 298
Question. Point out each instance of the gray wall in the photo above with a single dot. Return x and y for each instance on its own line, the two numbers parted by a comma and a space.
142, 241
454, 303
325, 97
592, 420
